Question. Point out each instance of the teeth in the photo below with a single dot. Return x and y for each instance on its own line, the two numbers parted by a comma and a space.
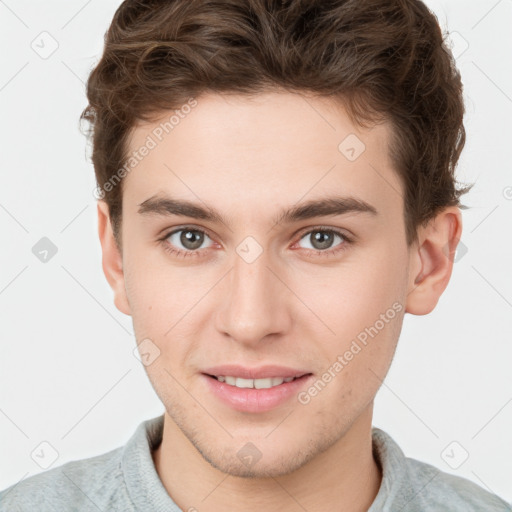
244, 383
266, 383
239, 382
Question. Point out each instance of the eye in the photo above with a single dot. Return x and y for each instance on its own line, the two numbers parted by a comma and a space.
185, 241
323, 239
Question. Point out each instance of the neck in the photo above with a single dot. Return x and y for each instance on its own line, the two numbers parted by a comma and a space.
343, 477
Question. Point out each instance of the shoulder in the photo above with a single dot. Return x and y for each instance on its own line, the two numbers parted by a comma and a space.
411, 485
95, 483
441, 491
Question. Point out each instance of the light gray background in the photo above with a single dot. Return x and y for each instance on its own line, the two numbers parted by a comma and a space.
68, 375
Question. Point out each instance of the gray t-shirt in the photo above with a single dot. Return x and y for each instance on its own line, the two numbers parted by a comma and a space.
125, 480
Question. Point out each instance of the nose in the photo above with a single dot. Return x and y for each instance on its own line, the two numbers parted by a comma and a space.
253, 303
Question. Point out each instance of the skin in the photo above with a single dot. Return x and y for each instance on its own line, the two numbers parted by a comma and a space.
295, 305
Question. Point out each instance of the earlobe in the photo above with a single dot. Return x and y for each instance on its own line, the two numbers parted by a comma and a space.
112, 261
431, 261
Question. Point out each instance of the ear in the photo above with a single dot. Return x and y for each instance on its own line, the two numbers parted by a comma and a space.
112, 261
431, 260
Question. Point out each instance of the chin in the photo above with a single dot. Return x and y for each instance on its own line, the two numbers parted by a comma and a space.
276, 467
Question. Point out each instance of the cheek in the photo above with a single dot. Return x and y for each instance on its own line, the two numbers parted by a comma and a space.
362, 305
353, 295
167, 308
157, 296
153, 277
354, 371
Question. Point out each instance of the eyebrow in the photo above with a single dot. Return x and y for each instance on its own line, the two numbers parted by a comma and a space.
336, 205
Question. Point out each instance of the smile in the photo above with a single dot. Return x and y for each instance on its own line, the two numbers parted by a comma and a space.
240, 382
255, 395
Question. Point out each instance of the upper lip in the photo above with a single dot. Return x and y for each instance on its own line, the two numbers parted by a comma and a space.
261, 372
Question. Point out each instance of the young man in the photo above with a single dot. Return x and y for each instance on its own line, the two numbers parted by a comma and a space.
276, 185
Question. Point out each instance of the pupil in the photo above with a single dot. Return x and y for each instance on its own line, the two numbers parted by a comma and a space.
191, 239
321, 239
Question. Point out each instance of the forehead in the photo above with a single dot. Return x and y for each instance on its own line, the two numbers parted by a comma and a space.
278, 147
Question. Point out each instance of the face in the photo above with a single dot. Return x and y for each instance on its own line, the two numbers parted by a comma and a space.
290, 251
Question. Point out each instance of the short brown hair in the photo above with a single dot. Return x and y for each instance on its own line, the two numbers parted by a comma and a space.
383, 59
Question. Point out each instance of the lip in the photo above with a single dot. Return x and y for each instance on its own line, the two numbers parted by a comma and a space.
262, 372
255, 400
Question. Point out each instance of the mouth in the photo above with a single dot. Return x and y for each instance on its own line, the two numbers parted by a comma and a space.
263, 383
255, 391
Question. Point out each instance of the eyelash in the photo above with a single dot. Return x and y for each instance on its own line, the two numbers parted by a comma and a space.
316, 253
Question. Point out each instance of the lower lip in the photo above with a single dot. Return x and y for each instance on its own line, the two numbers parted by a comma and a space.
256, 400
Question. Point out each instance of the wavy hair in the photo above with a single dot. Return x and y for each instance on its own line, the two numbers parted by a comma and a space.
383, 59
